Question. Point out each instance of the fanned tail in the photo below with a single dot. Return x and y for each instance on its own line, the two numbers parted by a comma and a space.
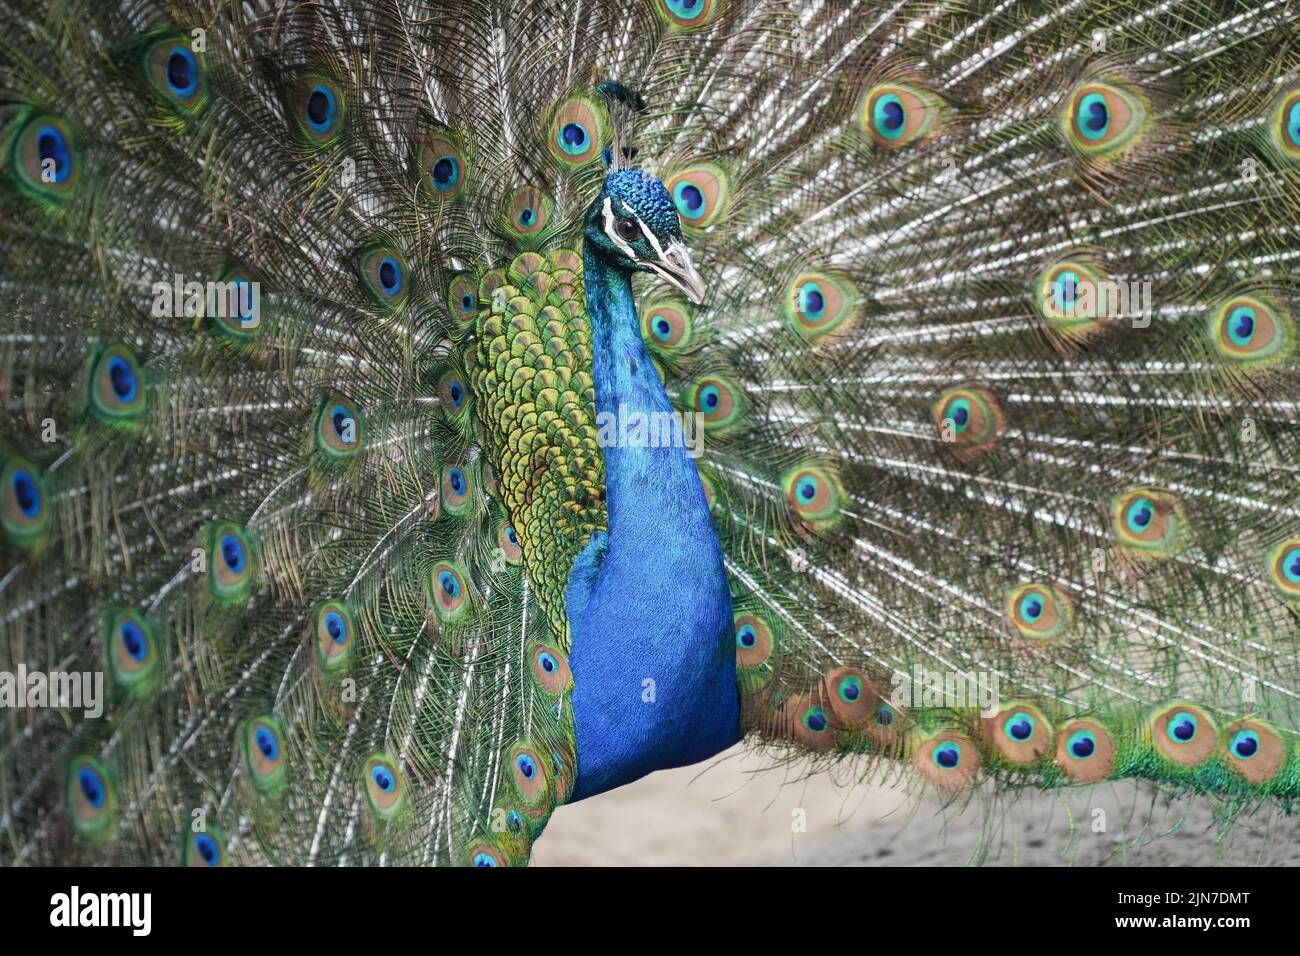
244, 478
995, 378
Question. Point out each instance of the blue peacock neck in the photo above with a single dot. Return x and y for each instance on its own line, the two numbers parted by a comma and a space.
653, 654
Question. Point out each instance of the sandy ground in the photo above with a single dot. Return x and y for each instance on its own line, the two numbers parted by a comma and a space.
725, 812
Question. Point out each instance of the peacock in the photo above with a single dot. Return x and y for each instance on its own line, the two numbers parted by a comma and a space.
418, 416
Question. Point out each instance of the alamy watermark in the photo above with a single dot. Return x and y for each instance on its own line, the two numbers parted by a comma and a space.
928, 688
133, 911
238, 299
636, 429
73, 690
1086, 299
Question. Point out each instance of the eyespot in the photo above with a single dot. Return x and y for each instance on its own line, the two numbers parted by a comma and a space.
969, 420
577, 132
117, 393
335, 631
1251, 330
1149, 520
44, 159
383, 778
514, 822
26, 516
1284, 128
442, 168
508, 542
813, 496
339, 432
318, 108
384, 787
527, 212
1039, 612
383, 272
1019, 727
563, 762
720, 403
529, 775
206, 848
1085, 751
814, 720
851, 697
264, 756
755, 652
946, 756
686, 14
448, 591
1019, 733
457, 490
947, 760
453, 394
230, 563
1182, 728
176, 73
1284, 567
551, 670
801, 718
895, 115
700, 192
1104, 119
233, 307
130, 650
1244, 745
1077, 298
486, 855
1255, 750
92, 797
1184, 734
820, 304
463, 300
666, 325
511, 841
1081, 745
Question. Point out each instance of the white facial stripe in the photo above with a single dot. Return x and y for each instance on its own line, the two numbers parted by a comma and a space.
654, 242
614, 237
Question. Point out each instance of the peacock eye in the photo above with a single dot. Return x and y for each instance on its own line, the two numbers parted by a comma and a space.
1104, 119
1149, 520
628, 230
1039, 612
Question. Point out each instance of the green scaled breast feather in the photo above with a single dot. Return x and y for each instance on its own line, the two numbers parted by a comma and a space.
533, 388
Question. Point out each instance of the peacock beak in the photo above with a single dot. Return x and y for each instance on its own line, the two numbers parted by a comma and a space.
675, 266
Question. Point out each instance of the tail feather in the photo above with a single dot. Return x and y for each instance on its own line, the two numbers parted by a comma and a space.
931, 266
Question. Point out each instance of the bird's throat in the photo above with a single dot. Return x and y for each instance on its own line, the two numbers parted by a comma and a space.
653, 655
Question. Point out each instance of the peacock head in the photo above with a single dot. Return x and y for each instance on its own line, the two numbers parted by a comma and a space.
633, 226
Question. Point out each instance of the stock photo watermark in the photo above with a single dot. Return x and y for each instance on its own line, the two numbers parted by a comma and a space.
74, 690
1079, 297
636, 429
925, 687
238, 299
77, 909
